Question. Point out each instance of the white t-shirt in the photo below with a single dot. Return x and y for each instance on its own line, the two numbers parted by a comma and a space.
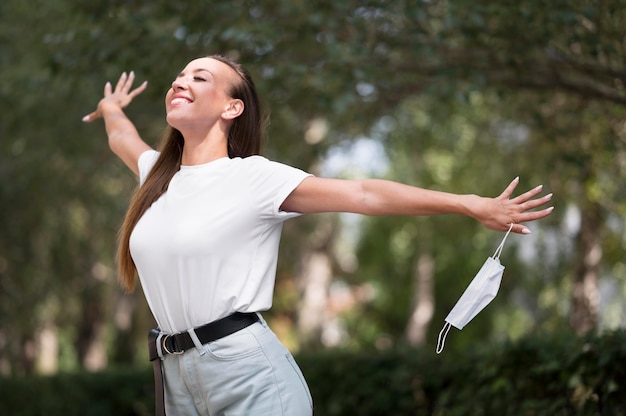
208, 246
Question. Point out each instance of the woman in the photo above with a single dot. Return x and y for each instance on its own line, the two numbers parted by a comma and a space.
202, 233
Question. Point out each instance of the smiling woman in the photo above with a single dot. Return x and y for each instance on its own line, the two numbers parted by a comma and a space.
203, 230
200, 104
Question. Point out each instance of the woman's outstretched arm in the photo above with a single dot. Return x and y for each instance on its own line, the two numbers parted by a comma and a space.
124, 139
382, 197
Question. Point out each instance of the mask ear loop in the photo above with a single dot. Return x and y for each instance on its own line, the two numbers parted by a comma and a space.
496, 255
441, 340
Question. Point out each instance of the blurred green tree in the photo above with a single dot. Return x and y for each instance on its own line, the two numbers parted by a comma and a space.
554, 69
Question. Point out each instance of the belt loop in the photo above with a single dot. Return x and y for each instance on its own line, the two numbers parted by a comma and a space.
261, 320
201, 348
159, 345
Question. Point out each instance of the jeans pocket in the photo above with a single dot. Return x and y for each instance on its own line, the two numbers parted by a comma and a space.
241, 344
297, 370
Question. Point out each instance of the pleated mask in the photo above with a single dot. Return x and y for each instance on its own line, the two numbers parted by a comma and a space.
481, 291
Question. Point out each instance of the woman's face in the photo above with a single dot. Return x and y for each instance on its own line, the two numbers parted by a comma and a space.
199, 94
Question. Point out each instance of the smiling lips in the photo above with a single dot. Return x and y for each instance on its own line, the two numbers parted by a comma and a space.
180, 100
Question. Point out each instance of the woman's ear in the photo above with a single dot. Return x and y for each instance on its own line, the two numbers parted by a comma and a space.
234, 109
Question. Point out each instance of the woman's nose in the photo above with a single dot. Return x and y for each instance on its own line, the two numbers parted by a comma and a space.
179, 84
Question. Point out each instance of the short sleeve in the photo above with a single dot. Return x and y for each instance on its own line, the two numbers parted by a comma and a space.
294, 177
271, 183
145, 163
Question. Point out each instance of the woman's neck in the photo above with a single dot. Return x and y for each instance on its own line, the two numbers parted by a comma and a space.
204, 147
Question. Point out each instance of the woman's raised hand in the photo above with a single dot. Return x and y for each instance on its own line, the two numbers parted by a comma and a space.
498, 213
117, 98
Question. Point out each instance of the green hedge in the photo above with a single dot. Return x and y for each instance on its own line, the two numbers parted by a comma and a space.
112, 393
540, 375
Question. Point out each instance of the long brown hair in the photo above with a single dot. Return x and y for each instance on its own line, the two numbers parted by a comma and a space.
244, 139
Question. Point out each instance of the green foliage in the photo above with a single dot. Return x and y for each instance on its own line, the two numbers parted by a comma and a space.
63, 193
123, 392
537, 375
556, 374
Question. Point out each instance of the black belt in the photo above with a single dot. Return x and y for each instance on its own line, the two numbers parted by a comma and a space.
179, 343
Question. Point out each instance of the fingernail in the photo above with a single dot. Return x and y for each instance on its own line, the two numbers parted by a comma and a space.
525, 231
549, 196
539, 187
516, 179
550, 209
86, 118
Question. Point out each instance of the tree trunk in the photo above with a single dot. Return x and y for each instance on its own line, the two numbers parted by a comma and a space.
585, 292
314, 282
48, 348
28, 356
424, 304
316, 278
90, 342
123, 349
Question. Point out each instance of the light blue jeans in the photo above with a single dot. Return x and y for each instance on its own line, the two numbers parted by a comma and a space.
248, 373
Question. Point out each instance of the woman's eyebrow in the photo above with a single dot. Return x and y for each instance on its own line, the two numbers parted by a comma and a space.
195, 71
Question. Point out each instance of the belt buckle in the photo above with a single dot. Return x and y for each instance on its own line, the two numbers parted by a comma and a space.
165, 338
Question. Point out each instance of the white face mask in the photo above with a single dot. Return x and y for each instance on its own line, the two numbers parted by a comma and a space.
480, 292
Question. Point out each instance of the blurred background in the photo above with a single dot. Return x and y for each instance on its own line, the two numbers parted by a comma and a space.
457, 95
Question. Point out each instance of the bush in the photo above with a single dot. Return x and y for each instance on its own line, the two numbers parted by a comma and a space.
539, 375
119, 393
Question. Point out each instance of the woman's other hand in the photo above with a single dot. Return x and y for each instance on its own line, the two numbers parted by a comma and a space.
119, 98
